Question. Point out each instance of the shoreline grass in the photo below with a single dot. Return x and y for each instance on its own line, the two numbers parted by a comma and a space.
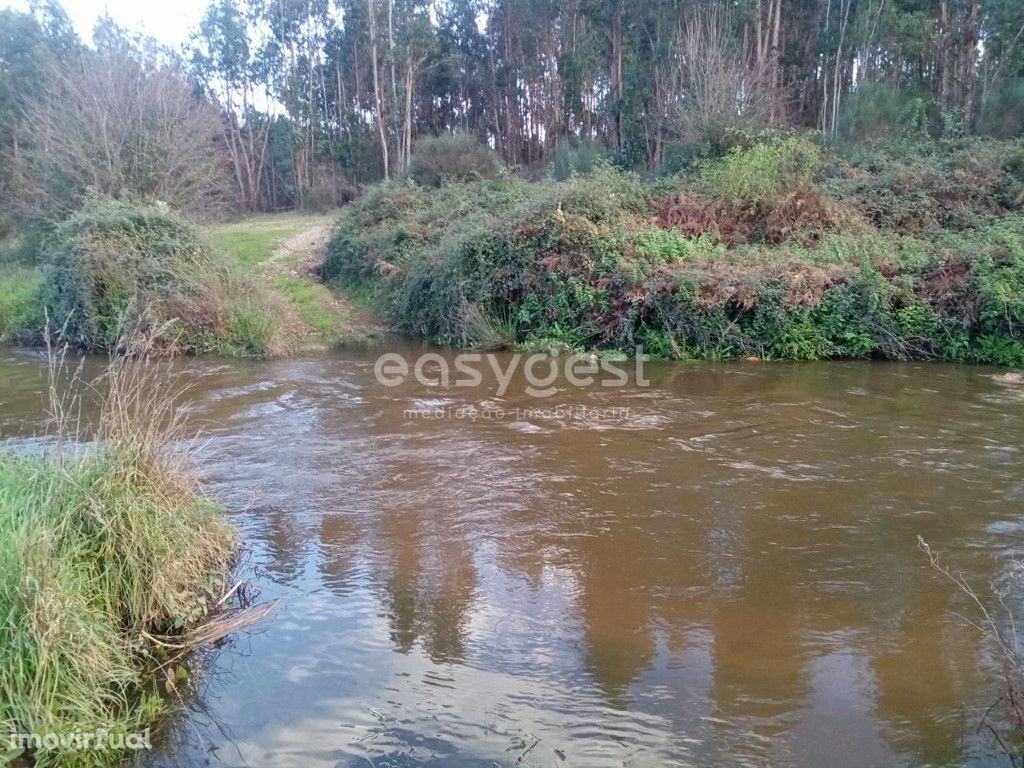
111, 551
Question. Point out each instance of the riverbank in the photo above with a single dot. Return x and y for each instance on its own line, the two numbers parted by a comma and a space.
249, 288
781, 249
114, 566
285, 251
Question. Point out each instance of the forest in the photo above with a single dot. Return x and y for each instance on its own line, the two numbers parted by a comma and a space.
753, 179
279, 104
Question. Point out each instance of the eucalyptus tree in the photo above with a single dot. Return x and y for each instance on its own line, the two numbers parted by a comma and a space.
224, 57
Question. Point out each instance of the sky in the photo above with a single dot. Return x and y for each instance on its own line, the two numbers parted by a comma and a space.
169, 21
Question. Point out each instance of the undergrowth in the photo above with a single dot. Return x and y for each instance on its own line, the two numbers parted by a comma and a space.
775, 251
115, 265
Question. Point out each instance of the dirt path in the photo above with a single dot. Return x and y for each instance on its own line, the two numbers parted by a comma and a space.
322, 317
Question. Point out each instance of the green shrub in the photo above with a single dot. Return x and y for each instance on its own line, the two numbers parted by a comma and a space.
925, 187
880, 110
576, 156
763, 171
606, 261
21, 306
115, 266
452, 157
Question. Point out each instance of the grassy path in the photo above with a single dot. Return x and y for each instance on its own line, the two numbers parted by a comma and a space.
286, 250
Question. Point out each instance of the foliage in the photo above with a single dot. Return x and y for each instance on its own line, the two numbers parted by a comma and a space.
119, 122
576, 156
923, 187
765, 170
20, 305
452, 157
114, 266
879, 111
605, 261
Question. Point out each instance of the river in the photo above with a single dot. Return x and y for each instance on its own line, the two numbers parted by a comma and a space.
720, 568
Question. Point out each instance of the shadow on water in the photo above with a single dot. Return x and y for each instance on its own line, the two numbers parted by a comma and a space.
727, 574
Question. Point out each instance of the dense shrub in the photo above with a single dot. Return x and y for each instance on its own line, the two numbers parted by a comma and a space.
115, 265
452, 157
879, 110
765, 170
21, 312
925, 187
605, 260
574, 156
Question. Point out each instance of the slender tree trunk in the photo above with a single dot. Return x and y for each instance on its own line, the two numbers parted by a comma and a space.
376, 89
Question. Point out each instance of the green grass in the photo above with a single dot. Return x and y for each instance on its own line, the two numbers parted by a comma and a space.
21, 311
102, 551
253, 240
309, 300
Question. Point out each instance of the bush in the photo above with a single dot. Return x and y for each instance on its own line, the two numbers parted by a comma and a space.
452, 157
764, 171
21, 310
574, 156
879, 110
115, 266
924, 187
605, 261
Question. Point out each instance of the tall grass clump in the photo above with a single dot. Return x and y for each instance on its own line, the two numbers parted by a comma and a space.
113, 559
116, 265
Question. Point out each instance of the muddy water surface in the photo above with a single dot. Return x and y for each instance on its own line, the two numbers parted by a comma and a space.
726, 573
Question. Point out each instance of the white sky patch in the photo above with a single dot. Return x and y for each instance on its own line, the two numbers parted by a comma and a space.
170, 23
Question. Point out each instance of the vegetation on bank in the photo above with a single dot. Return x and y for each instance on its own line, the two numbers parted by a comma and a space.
283, 251
117, 265
112, 559
779, 249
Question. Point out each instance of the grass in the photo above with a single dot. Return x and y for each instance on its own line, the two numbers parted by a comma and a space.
110, 551
255, 244
310, 300
20, 303
253, 240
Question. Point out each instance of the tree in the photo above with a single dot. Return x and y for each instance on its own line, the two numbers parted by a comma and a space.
123, 121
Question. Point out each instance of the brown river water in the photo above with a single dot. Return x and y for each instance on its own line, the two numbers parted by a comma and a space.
724, 573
